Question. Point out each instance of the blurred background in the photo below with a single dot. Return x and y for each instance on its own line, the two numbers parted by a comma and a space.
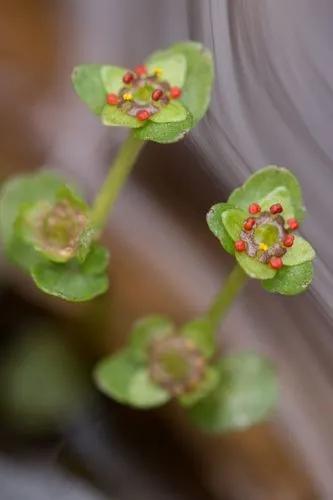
272, 103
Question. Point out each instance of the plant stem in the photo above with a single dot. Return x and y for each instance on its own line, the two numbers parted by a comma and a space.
116, 178
225, 297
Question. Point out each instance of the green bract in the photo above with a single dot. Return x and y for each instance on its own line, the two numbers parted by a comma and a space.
158, 364
46, 230
183, 74
263, 243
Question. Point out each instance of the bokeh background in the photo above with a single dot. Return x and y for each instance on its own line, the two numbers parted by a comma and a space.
272, 103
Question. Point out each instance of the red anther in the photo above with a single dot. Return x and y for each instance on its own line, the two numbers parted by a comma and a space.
140, 70
112, 99
254, 208
175, 92
293, 224
157, 94
288, 240
128, 77
249, 223
276, 208
276, 262
240, 245
143, 115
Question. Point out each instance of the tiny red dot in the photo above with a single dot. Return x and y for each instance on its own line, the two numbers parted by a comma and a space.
249, 223
143, 115
157, 94
276, 208
240, 245
175, 92
293, 224
128, 77
288, 240
276, 263
112, 99
140, 70
254, 208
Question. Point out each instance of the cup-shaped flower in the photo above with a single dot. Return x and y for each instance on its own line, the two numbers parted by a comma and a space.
257, 225
160, 363
161, 99
45, 228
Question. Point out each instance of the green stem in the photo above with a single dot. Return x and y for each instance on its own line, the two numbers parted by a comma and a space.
116, 178
225, 297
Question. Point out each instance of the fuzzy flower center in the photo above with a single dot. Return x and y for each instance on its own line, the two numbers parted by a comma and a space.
143, 94
176, 364
266, 235
58, 228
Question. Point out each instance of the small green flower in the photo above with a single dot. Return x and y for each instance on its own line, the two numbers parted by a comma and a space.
161, 99
160, 363
45, 229
256, 225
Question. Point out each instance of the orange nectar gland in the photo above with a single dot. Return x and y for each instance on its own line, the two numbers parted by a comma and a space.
175, 92
143, 115
112, 99
140, 70
293, 224
288, 240
240, 246
249, 223
276, 263
254, 208
128, 78
157, 94
276, 208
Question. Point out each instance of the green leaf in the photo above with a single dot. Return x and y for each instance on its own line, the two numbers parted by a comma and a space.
246, 392
112, 78
89, 87
233, 221
200, 331
123, 379
196, 91
300, 252
253, 268
144, 331
279, 195
114, 374
207, 385
263, 182
74, 281
144, 393
215, 224
114, 117
173, 66
290, 280
172, 112
164, 132
15, 193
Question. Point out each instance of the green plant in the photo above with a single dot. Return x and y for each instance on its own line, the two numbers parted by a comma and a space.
161, 361
45, 225
52, 233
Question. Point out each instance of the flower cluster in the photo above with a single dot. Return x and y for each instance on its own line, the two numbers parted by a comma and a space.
161, 362
144, 93
46, 229
260, 234
161, 99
